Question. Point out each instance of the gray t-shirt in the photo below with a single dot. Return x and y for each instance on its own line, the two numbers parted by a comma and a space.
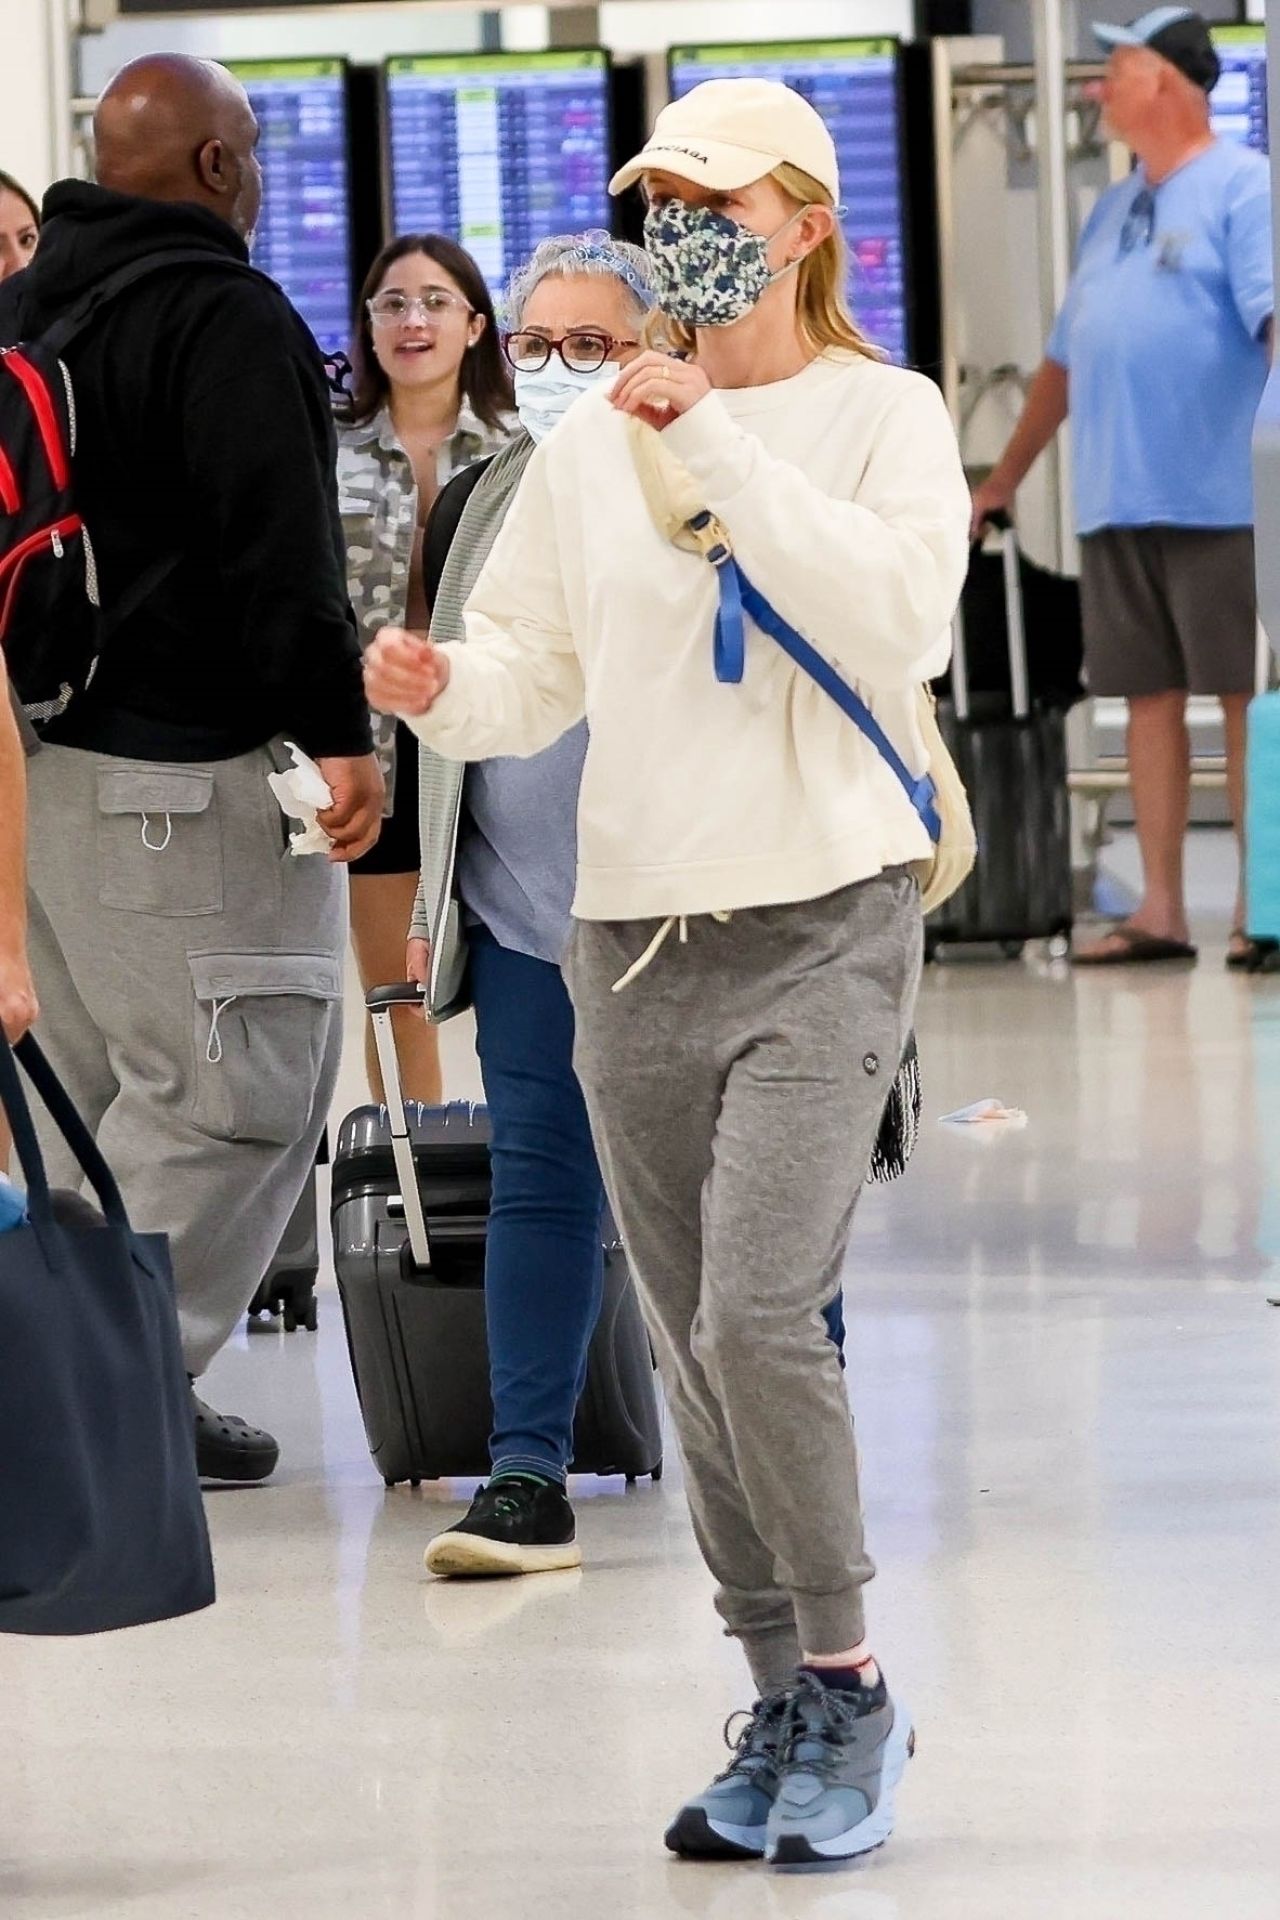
518, 847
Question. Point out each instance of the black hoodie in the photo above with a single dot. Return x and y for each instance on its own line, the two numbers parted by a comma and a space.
203, 430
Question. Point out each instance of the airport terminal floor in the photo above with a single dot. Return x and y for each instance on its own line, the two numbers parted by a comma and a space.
1067, 1381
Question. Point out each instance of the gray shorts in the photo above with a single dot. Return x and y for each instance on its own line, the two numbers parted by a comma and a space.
1169, 609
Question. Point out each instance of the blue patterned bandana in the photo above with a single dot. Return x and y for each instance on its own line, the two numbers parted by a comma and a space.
595, 254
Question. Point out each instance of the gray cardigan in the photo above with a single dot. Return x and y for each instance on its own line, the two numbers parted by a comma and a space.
437, 915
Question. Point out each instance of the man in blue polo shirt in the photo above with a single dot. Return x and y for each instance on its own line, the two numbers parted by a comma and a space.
1160, 354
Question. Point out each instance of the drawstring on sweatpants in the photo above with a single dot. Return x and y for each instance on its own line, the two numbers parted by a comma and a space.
213, 1052
659, 941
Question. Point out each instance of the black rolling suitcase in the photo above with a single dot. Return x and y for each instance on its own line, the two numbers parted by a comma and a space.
1011, 751
411, 1188
289, 1286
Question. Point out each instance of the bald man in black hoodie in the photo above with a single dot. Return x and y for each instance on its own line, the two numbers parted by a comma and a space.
189, 970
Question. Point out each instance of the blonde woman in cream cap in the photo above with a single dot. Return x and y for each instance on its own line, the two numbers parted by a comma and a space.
747, 927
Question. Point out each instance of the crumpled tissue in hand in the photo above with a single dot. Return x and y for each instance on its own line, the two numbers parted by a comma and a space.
303, 792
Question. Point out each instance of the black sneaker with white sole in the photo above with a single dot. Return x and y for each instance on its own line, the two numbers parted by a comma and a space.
514, 1526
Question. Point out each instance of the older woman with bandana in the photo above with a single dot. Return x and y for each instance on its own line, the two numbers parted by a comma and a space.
499, 845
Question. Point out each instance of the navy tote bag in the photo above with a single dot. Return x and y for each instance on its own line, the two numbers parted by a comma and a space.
101, 1520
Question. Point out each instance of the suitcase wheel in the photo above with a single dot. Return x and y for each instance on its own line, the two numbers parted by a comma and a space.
1013, 949
656, 1475
301, 1313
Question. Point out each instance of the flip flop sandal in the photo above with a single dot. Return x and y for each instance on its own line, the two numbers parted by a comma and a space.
1255, 956
1134, 948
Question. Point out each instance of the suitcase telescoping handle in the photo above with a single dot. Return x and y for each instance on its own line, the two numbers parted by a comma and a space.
1019, 681
380, 1002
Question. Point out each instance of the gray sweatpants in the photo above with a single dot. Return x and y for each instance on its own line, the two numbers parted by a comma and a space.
190, 976
735, 1090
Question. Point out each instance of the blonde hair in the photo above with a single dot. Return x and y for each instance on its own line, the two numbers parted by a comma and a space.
822, 302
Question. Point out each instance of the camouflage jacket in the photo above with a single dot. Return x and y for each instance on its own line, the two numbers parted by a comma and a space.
378, 501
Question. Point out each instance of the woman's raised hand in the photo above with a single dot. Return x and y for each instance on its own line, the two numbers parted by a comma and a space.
404, 674
658, 389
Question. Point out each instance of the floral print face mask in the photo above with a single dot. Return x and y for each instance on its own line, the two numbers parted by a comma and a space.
708, 270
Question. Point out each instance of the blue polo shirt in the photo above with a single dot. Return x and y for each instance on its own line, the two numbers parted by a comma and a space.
1162, 341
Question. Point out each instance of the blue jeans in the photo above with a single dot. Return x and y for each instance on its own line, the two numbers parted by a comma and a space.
834, 1317
544, 1269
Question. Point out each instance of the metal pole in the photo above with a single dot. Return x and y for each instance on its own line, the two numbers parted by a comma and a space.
58, 37
943, 137
1052, 207
1049, 51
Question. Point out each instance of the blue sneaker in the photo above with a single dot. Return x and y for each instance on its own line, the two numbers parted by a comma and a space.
729, 1820
839, 1762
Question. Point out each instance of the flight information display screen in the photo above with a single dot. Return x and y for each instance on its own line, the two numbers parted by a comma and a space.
1238, 104
303, 237
856, 87
498, 150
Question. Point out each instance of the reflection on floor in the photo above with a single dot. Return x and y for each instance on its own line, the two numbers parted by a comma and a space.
1068, 1391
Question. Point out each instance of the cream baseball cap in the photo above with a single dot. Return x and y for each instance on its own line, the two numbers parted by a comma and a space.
731, 133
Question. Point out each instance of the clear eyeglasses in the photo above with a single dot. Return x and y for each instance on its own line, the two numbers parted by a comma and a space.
393, 309
583, 351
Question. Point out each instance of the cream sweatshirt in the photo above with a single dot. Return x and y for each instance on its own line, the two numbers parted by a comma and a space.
844, 494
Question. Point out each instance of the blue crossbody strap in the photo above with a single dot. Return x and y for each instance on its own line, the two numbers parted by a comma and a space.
731, 630
738, 598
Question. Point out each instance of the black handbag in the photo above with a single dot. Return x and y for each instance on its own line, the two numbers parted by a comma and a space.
1051, 614
900, 1121
101, 1520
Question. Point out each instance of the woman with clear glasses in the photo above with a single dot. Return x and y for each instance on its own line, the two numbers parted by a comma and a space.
431, 394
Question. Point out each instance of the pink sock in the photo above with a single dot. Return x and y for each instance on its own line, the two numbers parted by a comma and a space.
854, 1669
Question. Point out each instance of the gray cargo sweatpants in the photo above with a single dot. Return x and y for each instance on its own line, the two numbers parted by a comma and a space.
190, 977
735, 1091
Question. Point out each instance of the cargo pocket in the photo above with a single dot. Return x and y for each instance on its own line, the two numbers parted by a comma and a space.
159, 840
261, 1024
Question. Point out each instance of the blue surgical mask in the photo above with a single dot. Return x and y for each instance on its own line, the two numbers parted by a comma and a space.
543, 398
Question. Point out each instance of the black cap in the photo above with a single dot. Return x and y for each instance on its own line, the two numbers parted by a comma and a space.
1178, 35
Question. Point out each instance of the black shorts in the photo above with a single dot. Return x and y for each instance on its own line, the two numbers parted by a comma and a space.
1169, 610
398, 848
